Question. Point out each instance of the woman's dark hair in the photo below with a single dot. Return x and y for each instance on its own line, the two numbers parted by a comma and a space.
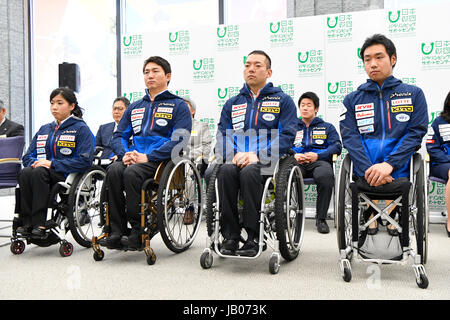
309, 95
445, 114
70, 97
379, 39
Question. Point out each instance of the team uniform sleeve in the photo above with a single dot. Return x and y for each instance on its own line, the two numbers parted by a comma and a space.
121, 137
435, 146
30, 156
334, 144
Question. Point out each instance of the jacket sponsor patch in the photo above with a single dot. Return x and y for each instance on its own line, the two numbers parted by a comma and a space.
67, 137
42, 137
65, 151
430, 141
68, 144
136, 123
41, 156
319, 142
364, 107
270, 109
238, 119
239, 125
163, 115
40, 150
140, 110
298, 137
401, 102
366, 129
319, 132
271, 103
268, 116
165, 109
161, 122
319, 136
238, 107
41, 144
238, 113
402, 109
444, 129
364, 114
365, 122
137, 116
402, 117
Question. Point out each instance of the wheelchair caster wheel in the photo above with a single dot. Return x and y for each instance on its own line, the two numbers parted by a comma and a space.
66, 249
151, 259
274, 264
17, 247
206, 260
347, 274
99, 255
422, 282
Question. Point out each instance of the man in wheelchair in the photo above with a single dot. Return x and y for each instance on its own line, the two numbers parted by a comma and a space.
382, 124
247, 149
158, 123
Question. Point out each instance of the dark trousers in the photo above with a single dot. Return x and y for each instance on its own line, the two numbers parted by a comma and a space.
322, 172
231, 179
129, 179
35, 187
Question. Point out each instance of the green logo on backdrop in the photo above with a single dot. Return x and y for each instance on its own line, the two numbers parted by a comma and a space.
281, 33
311, 62
402, 22
228, 37
132, 45
179, 42
182, 92
435, 54
340, 28
203, 69
337, 92
223, 94
289, 89
134, 96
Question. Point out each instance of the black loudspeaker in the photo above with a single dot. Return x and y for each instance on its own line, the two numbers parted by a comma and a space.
69, 76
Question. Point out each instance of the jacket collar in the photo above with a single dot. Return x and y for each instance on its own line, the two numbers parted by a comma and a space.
371, 85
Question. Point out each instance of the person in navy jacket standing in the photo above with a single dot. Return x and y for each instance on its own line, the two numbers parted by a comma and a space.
158, 123
384, 121
105, 132
256, 127
59, 148
315, 143
438, 147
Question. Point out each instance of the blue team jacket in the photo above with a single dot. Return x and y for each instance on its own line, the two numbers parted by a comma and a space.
438, 143
384, 124
320, 137
70, 148
156, 126
243, 119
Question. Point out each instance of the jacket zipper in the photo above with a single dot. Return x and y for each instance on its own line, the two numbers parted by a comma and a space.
388, 114
382, 120
257, 111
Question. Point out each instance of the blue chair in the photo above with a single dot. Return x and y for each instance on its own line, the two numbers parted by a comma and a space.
11, 150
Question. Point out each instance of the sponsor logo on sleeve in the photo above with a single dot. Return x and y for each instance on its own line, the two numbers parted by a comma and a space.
238, 107
402, 117
401, 102
140, 110
238, 119
137, 116
270, 104
365, 122
165, 109
270, 109
238, 126
40, 144
163, 115
65, 151
68, 144
42, 137
238, 113
364, 114
402, 109
363, 107
366, 129
161, 122
319, 136
268, 116
67, 138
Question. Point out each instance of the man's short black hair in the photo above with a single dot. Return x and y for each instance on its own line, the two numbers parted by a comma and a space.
163, 63
309, 95
268, 62
379, 39
125, 101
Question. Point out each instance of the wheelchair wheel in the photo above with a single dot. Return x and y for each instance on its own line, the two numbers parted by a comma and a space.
289, 209
17, 247
344, 212
211, 202
179, 197
86, 206
65, 249
420, 221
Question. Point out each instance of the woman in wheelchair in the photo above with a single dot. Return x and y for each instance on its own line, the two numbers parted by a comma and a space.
438, 147
60, 147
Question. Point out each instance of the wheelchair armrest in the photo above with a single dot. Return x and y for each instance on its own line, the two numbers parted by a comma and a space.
68, 182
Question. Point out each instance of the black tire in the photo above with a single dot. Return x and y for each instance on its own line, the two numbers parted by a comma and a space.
274, 265
210, 200
289, 238
83, 234
423, 282
343, 231
421, 223
178, 236
347, 275
17, 247
206, 260
66, 249
99, 255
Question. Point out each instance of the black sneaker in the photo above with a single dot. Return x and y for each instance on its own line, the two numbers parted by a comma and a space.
322, 226
113, 241
38, 233
249, 249
131, 242
229, 247
24, 231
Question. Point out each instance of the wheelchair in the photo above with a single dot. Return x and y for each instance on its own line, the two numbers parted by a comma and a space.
71, 207
282, 216
355, 204
165, 199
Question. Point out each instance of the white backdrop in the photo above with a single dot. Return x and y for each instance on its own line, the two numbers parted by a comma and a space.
319, 53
